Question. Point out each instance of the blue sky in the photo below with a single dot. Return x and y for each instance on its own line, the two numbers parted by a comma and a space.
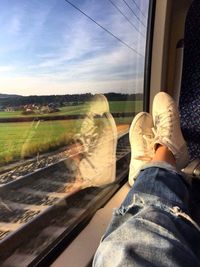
48, 47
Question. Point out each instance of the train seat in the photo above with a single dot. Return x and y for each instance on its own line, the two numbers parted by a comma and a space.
189, 102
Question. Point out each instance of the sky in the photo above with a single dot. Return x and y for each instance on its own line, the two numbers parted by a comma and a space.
49, 47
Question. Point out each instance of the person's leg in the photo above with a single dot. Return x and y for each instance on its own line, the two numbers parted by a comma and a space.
164, 154
153, 225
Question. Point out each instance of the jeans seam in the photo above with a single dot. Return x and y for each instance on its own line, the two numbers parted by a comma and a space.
179, 213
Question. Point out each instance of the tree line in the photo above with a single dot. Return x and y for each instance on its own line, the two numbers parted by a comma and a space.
17, 100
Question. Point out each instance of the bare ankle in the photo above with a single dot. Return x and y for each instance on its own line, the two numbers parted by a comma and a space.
162, 153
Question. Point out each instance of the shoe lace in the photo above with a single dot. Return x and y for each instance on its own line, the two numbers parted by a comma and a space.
94, 133
89, 135
163, 124
148, 141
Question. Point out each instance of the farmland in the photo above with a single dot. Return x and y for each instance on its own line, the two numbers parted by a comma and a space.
115, 106
20, 140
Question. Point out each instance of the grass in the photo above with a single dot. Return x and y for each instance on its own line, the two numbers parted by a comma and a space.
126, 106
26, 139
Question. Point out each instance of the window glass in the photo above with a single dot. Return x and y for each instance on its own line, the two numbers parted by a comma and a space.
72, 75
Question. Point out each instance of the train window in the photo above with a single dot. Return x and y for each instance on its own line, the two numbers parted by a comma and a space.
72, 79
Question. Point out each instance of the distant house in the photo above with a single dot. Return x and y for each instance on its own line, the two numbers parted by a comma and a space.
37, 109
28, 109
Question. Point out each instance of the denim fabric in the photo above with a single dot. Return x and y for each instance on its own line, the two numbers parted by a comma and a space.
153, 226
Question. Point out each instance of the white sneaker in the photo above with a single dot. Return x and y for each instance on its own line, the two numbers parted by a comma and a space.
98, 136
167, 128
141, 139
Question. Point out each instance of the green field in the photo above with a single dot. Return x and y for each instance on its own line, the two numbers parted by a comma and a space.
71, 110
26, 139
115, 106
126, 106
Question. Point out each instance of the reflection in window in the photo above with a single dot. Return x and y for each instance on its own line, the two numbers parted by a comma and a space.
72, 75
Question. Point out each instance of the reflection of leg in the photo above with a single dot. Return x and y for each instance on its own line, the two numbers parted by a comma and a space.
98, 136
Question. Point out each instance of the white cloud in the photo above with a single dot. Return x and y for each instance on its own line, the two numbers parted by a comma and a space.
28, 85
6, 68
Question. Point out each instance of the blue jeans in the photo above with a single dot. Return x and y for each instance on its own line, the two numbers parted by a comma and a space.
153, 226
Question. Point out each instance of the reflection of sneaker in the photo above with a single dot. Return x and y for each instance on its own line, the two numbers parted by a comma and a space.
98, 136
141, 140
167, 128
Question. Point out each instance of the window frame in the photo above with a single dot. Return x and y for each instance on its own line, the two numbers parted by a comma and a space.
50, 256
148, 54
